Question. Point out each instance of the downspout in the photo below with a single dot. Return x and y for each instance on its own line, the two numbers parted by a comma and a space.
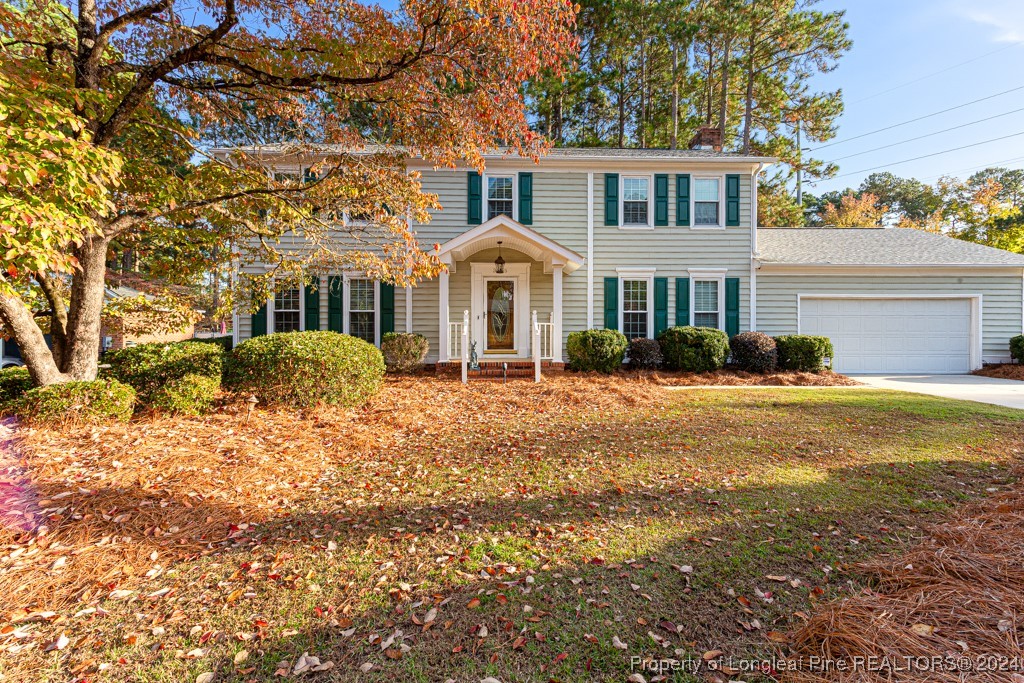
753, 246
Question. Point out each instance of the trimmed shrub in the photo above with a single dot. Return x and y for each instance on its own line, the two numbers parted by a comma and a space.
404, 351
694, 349
645, 354
303, 369
225, 341
96, 401
188, 395
803, 352
150, 367
14, 382
754, 352
600, 350
1017, 348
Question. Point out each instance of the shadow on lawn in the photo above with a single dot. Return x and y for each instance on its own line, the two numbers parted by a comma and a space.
733, 539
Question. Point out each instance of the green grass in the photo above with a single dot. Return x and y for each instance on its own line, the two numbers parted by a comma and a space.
597, 508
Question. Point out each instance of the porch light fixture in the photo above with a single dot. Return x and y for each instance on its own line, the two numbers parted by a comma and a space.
499, 263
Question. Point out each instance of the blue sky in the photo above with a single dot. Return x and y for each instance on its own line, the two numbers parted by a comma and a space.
891, 75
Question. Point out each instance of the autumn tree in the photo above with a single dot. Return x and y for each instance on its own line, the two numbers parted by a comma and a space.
853, 211
136, 92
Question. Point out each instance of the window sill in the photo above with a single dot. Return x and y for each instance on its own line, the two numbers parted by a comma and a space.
707, 227
636, 227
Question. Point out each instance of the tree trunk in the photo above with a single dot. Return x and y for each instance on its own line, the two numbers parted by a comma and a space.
723, 101
58, 317
34, 351
673, 137
622, 104
748, 97
87, 287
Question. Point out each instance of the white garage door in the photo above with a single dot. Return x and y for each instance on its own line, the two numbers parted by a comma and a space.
906, 336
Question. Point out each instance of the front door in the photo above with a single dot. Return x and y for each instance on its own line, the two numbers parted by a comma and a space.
500, 316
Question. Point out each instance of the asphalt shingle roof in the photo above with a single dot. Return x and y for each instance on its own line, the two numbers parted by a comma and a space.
874, 247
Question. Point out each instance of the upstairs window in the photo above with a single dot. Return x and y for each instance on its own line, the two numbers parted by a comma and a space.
287, 311
706, 201
636, 200
500, 195
705, 303
362, 313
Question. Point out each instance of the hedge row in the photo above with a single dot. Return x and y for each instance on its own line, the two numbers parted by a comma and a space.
697, 349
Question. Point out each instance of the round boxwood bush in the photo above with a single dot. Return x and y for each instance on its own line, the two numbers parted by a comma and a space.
14, 382
694, 349
150, 367
803, 352
404, 351
1017, 348
303, 369
754, 352
645, 354
188, 395
600, 350
95, 401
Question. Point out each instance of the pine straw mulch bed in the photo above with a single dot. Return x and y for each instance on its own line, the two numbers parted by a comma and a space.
958, 596
63, 515
1003, 371
737, 378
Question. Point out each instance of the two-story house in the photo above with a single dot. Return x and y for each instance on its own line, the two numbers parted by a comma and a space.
642, 240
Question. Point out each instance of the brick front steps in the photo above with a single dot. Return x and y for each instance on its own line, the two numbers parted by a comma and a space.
492, 370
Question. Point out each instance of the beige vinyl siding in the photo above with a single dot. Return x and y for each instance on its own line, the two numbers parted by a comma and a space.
1000, 305
672, 250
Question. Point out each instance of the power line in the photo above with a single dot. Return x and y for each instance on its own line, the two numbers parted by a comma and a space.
919, 118
925, 156
991, 164
936, 73
928, 135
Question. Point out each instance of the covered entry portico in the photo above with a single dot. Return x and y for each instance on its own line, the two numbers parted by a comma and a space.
502, 301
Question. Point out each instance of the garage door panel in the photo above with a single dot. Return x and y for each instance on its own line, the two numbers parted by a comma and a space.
893, 335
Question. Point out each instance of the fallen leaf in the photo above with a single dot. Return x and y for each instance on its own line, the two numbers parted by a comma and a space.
205, 677
474, 603
618, 644
60, 643
923, 629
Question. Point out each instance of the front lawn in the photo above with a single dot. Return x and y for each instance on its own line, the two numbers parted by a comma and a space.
523, 532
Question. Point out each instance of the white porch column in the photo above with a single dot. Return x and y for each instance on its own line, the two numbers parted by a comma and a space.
556, 327
442, 314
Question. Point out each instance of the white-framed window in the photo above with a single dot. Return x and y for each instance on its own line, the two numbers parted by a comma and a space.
362, 309
707, 297
636, 302
707, 202
287, 313
501, 195
636, 201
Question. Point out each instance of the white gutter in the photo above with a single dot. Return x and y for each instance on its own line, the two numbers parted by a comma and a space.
753, 246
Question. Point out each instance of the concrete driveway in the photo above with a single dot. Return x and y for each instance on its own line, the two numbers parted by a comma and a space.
1000, 392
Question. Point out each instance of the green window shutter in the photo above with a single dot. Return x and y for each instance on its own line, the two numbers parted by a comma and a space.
526, 198
682, 301
611, 199
661, 199
335, 303
732, 199
313, 305
387, 308
660, 303
308, 176
683, 199
474, 198
259, 322
611, 303
732, 306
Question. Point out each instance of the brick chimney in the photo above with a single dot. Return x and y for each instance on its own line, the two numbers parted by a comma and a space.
707, 138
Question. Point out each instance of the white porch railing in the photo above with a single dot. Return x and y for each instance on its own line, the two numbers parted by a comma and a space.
455, 340
546, 341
